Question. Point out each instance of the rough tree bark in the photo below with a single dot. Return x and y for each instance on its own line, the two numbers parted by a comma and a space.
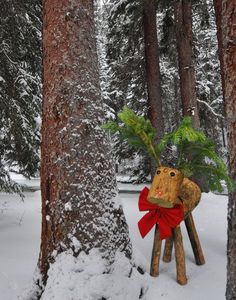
153, 76
184, 40
229, 63
77, 176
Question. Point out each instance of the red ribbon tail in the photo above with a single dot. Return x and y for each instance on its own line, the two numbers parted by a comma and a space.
164, 229
146, 223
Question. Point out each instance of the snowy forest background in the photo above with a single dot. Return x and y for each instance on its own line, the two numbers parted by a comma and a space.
122, 71
88, 250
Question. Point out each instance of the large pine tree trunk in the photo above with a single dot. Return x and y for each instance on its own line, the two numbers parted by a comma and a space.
184, 40
77, 177
229, 63
153, 76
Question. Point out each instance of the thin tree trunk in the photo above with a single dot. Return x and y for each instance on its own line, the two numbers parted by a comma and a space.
184, 40
153, 76
229, 64
77, 177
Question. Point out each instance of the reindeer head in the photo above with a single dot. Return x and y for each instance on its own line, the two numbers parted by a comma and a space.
165, 187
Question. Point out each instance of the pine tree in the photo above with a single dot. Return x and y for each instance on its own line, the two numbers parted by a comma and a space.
206, 64
79, 209
20, 90
208, 85
203, 58
218, 19
126, 79
169, 65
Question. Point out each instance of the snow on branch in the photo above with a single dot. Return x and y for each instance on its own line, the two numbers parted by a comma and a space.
210, 108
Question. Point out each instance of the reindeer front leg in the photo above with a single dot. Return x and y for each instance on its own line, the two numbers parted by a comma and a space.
179, 256
156, 253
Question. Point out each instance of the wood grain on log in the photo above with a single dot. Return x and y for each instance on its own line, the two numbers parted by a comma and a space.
165, 187
190, 195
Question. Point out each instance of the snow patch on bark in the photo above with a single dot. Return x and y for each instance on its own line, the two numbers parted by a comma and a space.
90, 277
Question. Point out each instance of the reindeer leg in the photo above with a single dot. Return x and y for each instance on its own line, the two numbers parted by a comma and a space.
179, 256
194, 239
156, 253
168, 250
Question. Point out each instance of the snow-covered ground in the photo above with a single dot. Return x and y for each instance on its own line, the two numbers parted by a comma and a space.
20, 239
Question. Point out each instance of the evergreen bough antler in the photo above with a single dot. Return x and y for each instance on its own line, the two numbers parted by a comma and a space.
137, 130
196, 154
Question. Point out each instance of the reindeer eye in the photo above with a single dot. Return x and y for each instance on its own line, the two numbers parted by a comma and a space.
158, 172
172, 174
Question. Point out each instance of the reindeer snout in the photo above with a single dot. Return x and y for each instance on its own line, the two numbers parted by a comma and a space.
158, 193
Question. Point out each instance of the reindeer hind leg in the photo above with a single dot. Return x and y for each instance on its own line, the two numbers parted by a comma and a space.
168, 250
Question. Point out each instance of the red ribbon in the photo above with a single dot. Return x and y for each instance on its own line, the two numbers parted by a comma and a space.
166, 218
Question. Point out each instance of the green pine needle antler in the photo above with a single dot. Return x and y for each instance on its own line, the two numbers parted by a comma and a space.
196, 156
196, 153
137, 130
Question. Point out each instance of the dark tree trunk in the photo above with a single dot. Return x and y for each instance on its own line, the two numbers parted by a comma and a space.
153, 76
77, 177
184, 40
229, 64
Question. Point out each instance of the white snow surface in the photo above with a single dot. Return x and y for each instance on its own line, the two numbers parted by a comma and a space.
87, 276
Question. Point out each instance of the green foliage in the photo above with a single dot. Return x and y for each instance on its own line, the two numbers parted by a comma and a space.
137, 130
196, 156
195, 153
20, 90
7, 185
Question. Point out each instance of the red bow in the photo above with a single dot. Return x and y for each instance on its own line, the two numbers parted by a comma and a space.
166, 218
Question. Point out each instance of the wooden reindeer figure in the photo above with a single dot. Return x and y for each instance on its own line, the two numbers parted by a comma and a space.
171, 199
